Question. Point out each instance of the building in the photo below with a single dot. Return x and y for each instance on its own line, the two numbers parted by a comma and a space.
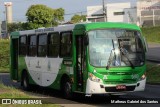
144, 13
148, 12
115, 12
95, 14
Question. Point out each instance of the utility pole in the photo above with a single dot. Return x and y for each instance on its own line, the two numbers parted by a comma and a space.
153, 17
104, 11
6, 21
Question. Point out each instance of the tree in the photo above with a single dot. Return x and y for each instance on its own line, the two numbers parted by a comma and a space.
39, 15
58, 16
11, 27
78, 18
43, 16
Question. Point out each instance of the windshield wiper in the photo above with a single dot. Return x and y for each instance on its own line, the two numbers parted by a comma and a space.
110, 59
124, 52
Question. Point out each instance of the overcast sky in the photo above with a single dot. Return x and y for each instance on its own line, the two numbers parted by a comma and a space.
71, 6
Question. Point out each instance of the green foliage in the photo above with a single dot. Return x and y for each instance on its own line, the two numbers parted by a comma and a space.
11, 92
58, 16
4, 54
39, 15
153, 73
78, 18
84, 17
43, 16
152, 34
16, 27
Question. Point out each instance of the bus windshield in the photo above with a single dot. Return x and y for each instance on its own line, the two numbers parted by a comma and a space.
116, 47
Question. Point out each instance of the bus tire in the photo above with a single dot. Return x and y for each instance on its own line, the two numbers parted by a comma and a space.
67, 89
25, 82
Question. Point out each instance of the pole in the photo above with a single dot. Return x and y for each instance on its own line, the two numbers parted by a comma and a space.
140, 19
128, 17
104, 11
153, 18
6, 21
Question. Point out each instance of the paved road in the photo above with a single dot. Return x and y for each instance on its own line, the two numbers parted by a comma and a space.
152, 91
153, 53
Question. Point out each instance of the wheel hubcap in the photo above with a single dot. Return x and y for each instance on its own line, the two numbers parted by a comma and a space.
25, 82
68, 88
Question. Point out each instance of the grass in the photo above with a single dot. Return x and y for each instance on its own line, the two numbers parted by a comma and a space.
153, 73
4, 70
4, 55
152, 34
11, 92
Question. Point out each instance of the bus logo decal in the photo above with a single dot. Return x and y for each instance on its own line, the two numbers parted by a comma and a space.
29, 63
49, 65
38, 65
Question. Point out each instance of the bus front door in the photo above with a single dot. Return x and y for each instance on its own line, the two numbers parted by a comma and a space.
14, 59
79, 64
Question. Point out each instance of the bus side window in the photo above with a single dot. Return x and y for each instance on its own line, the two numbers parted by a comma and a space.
53, 44
42, 45
23, 45
32, 50
66, 44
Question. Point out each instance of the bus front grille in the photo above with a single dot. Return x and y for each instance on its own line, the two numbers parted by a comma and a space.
118, 81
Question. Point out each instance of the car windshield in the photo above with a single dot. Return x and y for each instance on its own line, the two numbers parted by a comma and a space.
120, 47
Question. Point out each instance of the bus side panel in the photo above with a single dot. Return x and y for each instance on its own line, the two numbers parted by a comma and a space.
64, 70
22, 66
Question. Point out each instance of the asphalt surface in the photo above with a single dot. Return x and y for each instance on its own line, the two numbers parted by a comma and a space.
152, 91
153, 53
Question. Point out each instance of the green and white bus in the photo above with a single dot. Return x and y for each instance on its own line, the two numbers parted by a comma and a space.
90, 58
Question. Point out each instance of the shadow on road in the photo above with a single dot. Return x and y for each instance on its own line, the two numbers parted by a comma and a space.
153, 54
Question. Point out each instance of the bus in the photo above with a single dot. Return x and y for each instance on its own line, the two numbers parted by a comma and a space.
89, 58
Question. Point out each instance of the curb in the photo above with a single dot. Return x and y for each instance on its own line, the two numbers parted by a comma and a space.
149, 83
152, 60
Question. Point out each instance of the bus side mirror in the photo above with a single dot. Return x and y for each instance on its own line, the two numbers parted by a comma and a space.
146, 44
86, 40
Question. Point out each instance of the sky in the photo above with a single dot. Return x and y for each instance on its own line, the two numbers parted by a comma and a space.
20, 7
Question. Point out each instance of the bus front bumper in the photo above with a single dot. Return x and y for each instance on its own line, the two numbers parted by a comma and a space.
100, 88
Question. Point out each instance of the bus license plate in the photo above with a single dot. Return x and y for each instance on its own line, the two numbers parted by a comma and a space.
121, 87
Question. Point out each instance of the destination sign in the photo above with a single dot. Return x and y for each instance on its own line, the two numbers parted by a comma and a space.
44, 30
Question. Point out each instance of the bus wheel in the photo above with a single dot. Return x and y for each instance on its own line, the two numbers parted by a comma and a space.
67, 89
25, 82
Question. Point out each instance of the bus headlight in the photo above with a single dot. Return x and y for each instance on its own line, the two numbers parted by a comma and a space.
143, 76
94, 78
